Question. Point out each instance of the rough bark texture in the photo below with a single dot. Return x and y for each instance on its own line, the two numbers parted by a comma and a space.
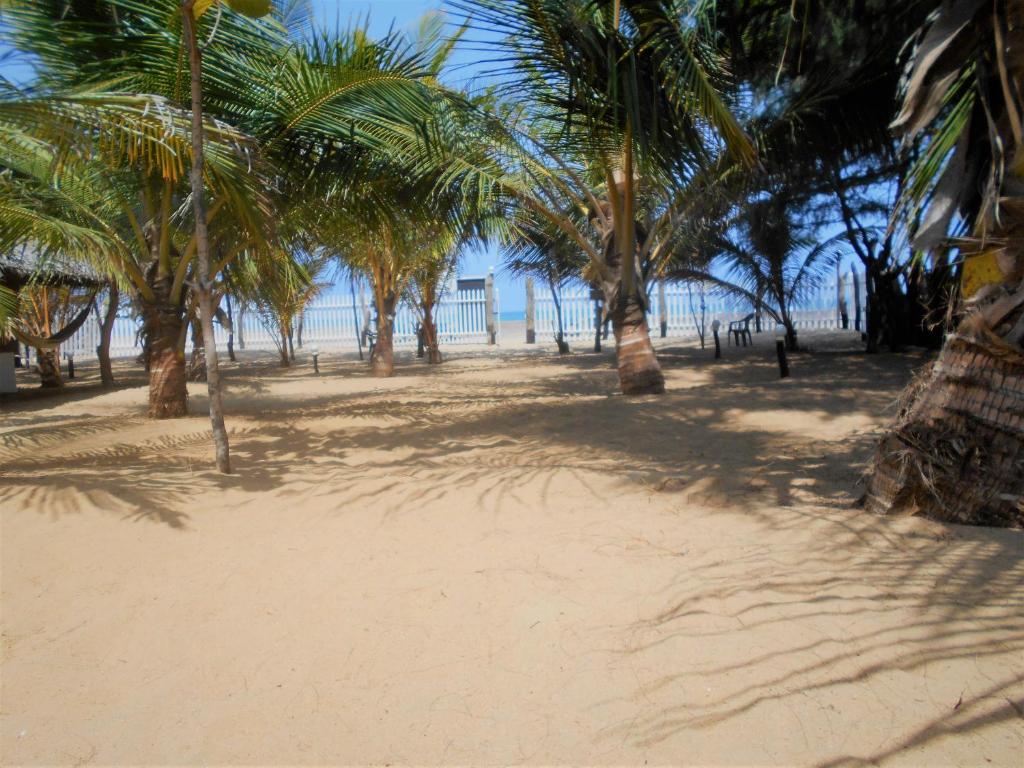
48, 362
956, 452
383, 359
639, 371
103, 350
168, 394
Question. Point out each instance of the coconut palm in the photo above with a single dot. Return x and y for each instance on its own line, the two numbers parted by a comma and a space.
632, 88
956, 451
279, 288
328, 102
762, 254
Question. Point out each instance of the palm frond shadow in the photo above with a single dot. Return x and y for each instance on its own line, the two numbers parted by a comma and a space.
394, 449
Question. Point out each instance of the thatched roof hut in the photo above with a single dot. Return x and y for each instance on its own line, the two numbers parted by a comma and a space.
26, 265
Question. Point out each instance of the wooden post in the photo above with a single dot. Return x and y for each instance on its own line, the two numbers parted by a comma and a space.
715, 325
489, 306
662, 309
531, 333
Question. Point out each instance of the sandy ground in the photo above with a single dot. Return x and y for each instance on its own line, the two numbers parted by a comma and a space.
497, 561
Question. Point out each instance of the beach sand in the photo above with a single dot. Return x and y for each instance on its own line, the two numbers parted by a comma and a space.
496, 561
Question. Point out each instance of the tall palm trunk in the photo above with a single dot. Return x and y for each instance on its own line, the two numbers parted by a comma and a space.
106, 330
206, 308
383, 359
639, 371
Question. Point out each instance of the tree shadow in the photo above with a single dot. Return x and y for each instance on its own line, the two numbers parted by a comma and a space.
850, 604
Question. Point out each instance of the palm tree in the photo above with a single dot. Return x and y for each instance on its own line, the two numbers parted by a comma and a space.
191, 10
279, 289
761, 254
631, 88
956, 451
308, 107
429, 280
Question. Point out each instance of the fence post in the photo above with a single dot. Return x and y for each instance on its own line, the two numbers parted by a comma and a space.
531, 333
662, 308
489, 306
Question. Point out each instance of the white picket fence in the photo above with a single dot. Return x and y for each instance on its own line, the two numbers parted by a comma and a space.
683, 309
330, 323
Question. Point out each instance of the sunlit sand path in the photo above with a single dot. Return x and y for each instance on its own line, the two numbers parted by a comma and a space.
497, 561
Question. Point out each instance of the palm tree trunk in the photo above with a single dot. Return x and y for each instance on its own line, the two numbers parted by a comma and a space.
283, 346
383, 359
430, 339
639, 371
563, 348
168, 395
956, 452
206, 308
48, 361
106, 330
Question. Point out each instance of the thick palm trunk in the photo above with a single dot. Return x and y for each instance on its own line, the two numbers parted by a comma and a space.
168, 394
639, 371
383, 359
956, 452
48, 361
106, 330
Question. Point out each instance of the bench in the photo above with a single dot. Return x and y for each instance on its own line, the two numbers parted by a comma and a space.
740, 331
